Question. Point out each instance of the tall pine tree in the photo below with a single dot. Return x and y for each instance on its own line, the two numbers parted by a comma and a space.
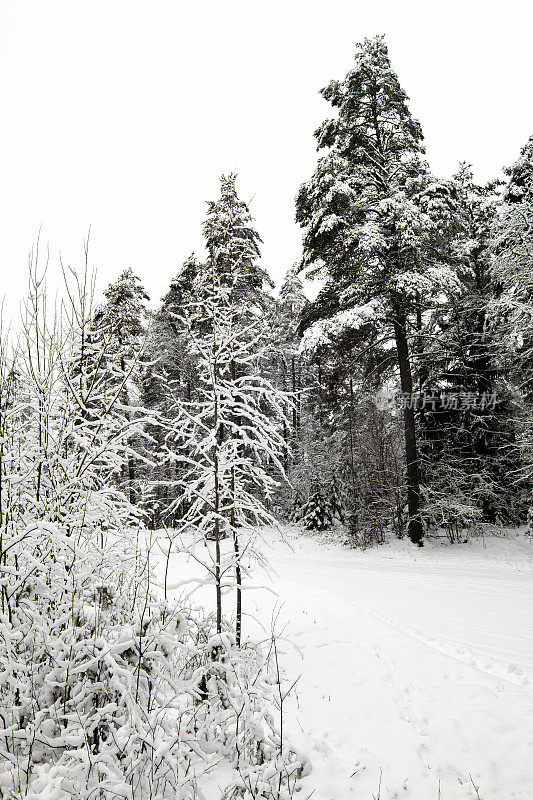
371, 214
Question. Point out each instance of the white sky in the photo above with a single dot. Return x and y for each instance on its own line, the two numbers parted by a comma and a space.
121, 114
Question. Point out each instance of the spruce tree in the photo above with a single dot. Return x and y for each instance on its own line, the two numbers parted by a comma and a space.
468, 427
168, 373
171, 375
232, 245
512, 269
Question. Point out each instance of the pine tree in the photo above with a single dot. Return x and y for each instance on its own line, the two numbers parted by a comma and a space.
512, 263
120, 324
371, 214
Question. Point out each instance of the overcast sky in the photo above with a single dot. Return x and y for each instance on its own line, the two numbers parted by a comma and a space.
121, 115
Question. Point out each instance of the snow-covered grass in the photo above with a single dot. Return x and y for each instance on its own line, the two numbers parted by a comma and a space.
415, 665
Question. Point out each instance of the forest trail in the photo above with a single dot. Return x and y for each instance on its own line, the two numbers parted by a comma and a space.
416, 666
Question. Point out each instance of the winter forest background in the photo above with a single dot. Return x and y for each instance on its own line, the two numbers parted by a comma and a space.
393, 408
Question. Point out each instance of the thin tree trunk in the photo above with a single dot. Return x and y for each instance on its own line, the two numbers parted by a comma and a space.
218, 585
295, 408
419, 342
320, 405
285, 426
131, 480
415, 529
238, 572
131, 462
236, 548
352, 443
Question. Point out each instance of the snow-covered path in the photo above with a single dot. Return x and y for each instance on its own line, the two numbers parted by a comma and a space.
416, 667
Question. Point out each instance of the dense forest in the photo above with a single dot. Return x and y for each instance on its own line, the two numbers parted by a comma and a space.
398, 402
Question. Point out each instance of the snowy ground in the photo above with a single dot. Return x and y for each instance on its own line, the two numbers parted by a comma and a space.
416, 665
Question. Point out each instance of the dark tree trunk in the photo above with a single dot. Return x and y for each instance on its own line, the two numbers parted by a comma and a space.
238, 572
415, 529
131, 480
131, 462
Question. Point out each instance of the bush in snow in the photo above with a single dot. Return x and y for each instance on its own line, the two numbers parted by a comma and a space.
453, 513
105, 690
316, 514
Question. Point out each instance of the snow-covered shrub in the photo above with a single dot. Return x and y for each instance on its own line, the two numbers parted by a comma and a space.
369, 528
87, 661
106, 691
316, 514
453, 514
244, 693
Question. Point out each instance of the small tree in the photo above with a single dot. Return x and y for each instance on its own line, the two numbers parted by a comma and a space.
230, 438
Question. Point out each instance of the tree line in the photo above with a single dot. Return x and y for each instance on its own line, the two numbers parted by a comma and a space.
409, 373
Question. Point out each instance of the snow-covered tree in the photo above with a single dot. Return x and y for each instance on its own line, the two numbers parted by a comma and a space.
285, 365
168, 371
106, 689
231, 239
512, 269
121, 324
229, 436
373, 219
512, 263
468, 426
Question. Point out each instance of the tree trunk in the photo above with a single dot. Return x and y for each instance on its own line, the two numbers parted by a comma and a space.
131, 480
295, 407
131, 463
236, 547
216, 448
238, 573
415, 529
